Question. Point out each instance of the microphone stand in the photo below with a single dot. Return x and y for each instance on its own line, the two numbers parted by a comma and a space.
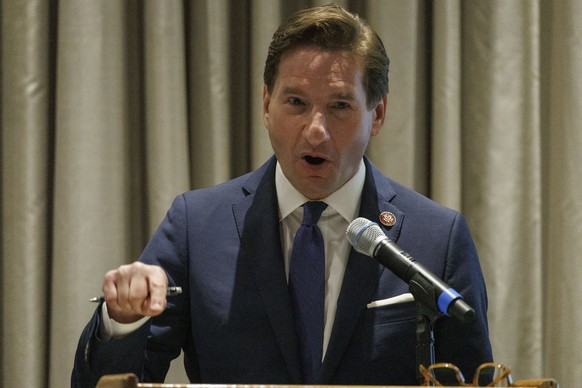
426, 315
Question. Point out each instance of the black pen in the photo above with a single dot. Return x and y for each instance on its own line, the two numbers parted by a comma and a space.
170, 291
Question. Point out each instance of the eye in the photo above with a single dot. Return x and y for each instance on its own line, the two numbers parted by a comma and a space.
341, 105
295, 101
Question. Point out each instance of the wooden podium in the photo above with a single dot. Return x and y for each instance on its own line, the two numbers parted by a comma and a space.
130, 380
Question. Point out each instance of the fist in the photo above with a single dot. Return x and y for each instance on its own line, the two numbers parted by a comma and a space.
135, 290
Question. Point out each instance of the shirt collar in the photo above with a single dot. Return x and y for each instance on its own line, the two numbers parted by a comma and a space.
345, 200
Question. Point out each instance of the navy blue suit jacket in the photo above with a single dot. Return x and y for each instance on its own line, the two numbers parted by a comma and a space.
234, 320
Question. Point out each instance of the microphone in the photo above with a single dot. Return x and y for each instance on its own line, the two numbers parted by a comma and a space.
368, 238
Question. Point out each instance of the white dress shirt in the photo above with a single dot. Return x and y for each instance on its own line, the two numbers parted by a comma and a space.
343, 207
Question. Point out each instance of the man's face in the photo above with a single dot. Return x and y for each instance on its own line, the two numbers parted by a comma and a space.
317, 118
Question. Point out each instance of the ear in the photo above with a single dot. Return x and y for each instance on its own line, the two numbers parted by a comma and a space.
266, 103
379, 115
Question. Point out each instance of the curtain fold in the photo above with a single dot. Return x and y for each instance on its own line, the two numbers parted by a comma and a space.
93, 226
563, 202
446, 105
209, 90
109, 109
502, 170
270, 15
165, 107
25, 191
401, 149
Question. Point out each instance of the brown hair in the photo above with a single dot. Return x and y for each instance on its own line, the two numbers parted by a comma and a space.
332, 28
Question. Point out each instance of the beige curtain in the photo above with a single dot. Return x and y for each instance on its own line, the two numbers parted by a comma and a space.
108, 109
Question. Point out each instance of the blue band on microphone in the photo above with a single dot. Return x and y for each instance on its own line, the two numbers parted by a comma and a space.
362, 229
446, 298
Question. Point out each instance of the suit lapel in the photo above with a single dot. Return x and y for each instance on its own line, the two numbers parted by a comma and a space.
257, 220
362, 272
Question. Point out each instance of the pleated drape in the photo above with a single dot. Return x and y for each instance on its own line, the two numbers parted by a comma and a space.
25, 190
402, 148
502, 169
562, 188
165, 117
97, 178
109, 109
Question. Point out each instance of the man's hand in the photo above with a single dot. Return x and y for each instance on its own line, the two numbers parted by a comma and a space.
135, 290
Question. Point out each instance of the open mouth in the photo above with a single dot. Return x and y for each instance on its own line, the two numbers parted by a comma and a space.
313, 160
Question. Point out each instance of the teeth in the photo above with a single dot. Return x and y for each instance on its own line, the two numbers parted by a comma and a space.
313, 160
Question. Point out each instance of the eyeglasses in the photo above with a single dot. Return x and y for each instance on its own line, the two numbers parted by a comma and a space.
487, 375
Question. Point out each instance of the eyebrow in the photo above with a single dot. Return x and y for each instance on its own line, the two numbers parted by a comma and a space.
344, 96
291, 90
338, 95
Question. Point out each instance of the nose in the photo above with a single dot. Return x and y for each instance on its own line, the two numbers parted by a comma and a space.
316, 131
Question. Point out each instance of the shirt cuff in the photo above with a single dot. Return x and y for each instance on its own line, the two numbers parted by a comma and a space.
111, 329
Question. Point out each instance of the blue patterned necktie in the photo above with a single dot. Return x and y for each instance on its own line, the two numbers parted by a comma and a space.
307, 289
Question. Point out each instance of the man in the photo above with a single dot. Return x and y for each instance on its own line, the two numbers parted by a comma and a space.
230, 247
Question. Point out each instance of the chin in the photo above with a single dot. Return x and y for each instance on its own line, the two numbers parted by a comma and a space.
316, 191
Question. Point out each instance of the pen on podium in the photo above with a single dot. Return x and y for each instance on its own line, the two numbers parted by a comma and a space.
170, 291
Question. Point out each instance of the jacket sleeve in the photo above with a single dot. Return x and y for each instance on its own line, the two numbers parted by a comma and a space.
148, 351
95, 358
465, 345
